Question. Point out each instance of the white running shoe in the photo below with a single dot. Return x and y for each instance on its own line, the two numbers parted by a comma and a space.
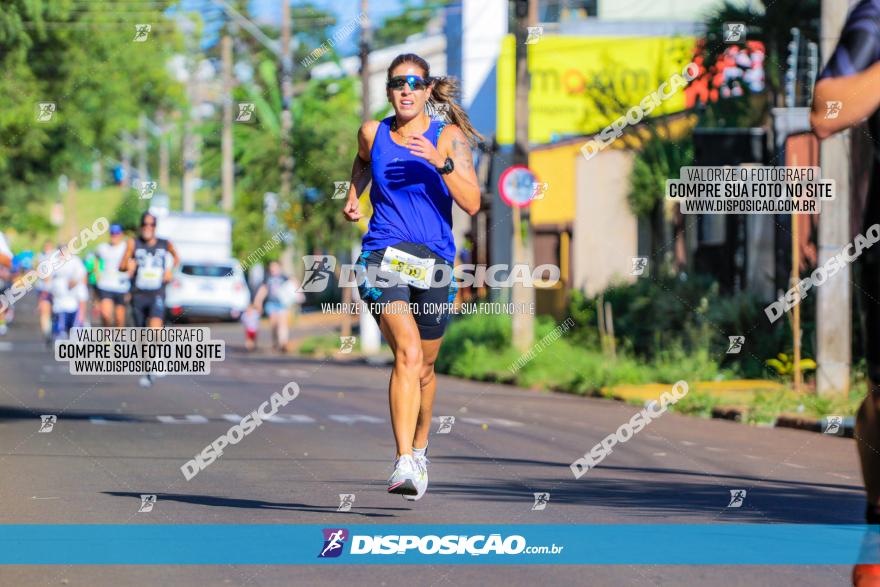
421, 478
403, 479
146, 381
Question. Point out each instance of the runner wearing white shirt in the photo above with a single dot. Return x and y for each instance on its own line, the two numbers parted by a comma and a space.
69, 294
5, 266
113, 284
44, 303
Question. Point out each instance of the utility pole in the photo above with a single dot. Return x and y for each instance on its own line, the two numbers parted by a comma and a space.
142, 148
364, 50
287, 98
228, 164
164, 175
521, 296
834, 298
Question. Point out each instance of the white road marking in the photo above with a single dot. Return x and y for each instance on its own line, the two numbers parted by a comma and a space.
794, 466
715, 449
189, 419
688, 443
351, 419
838, 475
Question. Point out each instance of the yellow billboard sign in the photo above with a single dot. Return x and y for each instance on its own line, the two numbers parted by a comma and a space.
579, 85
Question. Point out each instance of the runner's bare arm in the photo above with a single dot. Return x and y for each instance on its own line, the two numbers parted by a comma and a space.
360, 170
174, 255
262, 291
126, 264
175, 261
858, 95
462, 182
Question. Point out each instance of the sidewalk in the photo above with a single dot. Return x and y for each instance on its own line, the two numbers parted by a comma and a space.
733, 400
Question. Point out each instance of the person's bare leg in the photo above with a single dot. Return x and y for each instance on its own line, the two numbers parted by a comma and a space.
283, 324
45, 317
428, 386
107, 312
404, 393
868, 443
120, 315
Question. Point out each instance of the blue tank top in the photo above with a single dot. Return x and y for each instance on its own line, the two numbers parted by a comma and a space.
411, 202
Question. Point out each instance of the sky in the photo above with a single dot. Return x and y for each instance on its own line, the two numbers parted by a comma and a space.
269, 11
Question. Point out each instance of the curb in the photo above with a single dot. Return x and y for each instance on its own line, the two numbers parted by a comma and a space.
845, 429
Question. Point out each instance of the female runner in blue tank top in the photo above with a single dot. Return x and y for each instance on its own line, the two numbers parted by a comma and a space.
418, 166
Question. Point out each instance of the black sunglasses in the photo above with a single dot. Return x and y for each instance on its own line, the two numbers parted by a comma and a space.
415, 82
148, 224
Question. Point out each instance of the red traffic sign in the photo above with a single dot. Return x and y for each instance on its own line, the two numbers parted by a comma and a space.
517, 186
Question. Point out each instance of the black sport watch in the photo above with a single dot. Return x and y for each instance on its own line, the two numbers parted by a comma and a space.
447, 167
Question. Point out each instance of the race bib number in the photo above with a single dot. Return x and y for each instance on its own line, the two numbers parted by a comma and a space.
149, 278
413, 270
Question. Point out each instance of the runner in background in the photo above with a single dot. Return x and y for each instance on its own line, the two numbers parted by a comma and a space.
5, 274
44, 299
67, 286
277, 295
92, 263
848, 86
150, 261
112, 284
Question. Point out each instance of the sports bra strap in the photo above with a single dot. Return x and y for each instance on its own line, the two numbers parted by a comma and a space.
440, 128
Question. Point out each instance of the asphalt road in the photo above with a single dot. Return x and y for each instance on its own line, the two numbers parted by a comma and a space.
114, 441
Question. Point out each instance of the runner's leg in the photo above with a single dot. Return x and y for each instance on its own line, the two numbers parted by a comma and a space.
428, 386
119, 309
404, 392
107, 311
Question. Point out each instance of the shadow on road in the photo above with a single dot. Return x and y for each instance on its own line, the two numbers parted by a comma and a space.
660, 497
7, 413
231, 502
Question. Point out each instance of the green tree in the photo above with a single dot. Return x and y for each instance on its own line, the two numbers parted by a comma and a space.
82, 58
658, 160
413, 19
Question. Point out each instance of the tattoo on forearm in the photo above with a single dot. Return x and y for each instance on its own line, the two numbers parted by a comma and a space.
461, 154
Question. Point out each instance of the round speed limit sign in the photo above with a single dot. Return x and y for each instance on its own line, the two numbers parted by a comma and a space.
516, 186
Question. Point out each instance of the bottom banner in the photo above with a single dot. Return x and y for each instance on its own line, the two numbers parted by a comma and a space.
289, 544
